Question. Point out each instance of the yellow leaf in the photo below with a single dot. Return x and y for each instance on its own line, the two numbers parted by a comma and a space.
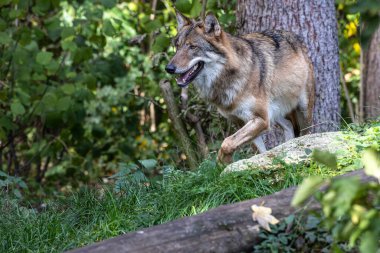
351, 29
357, 48
263, 216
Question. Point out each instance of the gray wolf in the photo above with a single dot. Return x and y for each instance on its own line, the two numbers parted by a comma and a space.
255, 80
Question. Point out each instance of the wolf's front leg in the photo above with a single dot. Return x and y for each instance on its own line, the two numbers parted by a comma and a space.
245, 134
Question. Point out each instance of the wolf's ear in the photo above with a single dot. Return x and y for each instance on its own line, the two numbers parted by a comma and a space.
181, 20
212, 25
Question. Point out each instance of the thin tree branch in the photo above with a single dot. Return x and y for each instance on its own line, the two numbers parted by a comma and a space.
194, 120
204, 5
12, 152
179, 127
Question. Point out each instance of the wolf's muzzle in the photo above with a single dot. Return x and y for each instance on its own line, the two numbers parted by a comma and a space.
170, 68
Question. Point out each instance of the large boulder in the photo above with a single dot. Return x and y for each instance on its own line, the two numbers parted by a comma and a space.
295, 151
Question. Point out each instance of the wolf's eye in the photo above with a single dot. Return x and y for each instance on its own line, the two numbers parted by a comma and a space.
193, 47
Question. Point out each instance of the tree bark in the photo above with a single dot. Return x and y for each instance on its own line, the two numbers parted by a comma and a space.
315, 21
371, 78
179, 127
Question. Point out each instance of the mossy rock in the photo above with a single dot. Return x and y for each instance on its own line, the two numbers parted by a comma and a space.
295, 151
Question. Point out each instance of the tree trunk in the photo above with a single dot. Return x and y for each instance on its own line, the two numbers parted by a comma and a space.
371, 78
315, 22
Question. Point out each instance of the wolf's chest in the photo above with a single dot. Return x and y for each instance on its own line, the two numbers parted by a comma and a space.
243, 110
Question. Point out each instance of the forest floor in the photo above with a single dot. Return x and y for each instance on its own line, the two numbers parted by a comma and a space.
92, 215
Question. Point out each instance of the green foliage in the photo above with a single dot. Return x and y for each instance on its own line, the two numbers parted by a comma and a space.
350, 207
11, 184
299, 234
307, 188
72, 87
325, 158
79, 81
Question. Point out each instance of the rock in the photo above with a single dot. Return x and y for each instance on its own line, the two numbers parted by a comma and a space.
294, 151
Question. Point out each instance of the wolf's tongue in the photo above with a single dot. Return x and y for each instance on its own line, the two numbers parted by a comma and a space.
183, 78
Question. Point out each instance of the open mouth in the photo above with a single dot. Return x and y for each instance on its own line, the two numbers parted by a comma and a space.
187, 77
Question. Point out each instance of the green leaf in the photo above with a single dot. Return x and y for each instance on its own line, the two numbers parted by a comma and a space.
183, 5
308, 151
53, 26
3, 174
152, 25
6, 123
17, 108
68, 89
4, 2
44, 58
161, 43
50, 101
308, 187
4, 38
196, 8
325, 158
68, 45
13, 14
369, 242
41, 7
17, 193
108, 28
64, 103
21, 184
108, 3
3, 25
371, 163
67, 32
148, 164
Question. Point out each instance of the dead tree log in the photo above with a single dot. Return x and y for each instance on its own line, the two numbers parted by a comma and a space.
228, 228
194, 120
179, 127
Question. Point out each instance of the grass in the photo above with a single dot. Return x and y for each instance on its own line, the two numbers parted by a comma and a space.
91, 214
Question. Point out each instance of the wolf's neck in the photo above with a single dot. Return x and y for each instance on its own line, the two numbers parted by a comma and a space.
205, 83
220, 85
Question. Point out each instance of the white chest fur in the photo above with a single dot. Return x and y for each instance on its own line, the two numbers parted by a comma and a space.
243, 111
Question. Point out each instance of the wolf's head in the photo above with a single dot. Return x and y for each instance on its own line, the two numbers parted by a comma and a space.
197, 49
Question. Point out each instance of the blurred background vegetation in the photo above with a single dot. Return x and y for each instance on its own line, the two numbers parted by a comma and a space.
79, 93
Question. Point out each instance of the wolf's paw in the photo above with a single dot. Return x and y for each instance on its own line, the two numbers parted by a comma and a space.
224, 158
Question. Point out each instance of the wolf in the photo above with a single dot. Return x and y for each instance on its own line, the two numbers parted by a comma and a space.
255, 80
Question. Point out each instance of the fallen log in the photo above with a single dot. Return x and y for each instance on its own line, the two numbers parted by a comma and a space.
227, 228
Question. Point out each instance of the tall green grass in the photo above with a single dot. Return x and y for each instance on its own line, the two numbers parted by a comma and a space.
92, 215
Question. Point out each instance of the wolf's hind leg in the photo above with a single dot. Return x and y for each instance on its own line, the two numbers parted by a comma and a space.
259, 143
304, 113
287, 126
303, 120
304, 110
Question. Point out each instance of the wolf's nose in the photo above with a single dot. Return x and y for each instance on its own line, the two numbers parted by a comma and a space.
170, 68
